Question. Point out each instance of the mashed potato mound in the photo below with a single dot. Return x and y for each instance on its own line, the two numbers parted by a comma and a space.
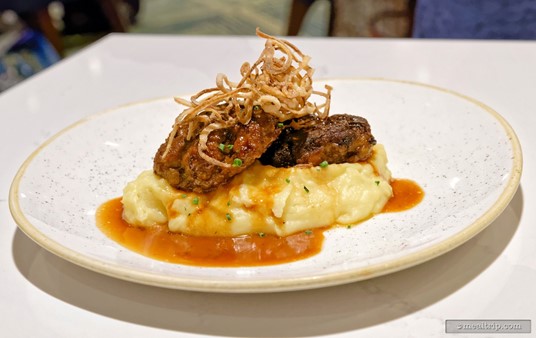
264, 199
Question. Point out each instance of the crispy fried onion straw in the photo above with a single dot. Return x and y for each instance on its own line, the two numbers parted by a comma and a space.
279, 83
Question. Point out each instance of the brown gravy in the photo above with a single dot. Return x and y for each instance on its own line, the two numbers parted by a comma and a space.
249, 250
406, 195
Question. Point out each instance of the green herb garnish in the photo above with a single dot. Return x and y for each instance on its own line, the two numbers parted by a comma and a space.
306, 189
377, 182
308, 232
261, 234
225, 148
195, 201
228, 216
287, 180
237, 162
324, 164
280, 125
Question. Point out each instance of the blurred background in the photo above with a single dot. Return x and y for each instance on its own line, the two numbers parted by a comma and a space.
35, 34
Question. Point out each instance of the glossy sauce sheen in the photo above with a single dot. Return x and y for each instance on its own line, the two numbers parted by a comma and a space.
406, 195
250, 250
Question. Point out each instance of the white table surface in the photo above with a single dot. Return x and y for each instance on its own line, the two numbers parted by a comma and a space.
492, 276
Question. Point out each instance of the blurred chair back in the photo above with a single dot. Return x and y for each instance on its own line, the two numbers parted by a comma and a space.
360, 18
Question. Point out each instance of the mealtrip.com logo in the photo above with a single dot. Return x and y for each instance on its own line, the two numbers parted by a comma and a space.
488, 326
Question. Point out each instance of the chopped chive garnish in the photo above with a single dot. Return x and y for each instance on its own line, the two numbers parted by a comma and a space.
287, 180
256, 107
306, 189
324, 164
195, 201
228, 203
261, 234
308, 232
280, 125
183, 195
237, 162
225, 148
377, 182
228, 216
348, 227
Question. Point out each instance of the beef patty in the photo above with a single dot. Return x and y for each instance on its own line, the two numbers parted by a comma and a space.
239, 146
337, 139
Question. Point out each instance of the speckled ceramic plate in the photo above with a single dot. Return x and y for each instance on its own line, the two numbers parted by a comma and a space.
464, 155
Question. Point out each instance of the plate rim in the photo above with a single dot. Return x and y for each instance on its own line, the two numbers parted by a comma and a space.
275, 285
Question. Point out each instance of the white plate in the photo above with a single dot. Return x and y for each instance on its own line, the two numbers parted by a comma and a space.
464, 155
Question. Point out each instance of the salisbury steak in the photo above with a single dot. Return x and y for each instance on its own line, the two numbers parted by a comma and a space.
238, 146
337, 139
